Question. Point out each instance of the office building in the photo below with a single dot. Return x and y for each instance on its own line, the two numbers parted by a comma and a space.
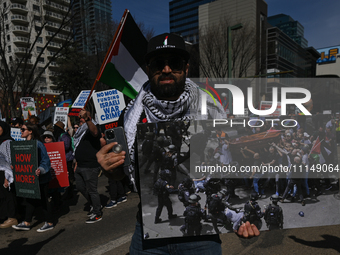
183, 16
290, 27
91, 24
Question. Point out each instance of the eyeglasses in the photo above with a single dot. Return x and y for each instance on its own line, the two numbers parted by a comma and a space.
23, 129
175, 63
76, 127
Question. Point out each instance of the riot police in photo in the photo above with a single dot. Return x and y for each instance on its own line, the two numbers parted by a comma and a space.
252, 211
158, 154
193, 215
273, 215
185, 189
163, 189
170, 162
147, 147
216, 210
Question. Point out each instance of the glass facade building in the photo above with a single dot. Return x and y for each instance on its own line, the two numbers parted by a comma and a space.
184, 18
290, 27
90, 16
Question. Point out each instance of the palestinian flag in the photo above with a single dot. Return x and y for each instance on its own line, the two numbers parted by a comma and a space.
319, 153
121, 68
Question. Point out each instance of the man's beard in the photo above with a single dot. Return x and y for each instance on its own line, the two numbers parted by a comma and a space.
167, 90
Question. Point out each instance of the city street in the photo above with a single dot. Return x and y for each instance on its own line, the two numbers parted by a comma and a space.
112, 235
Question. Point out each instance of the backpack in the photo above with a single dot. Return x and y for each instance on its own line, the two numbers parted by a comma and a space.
273, 215
192, 216
214, 205
72, 140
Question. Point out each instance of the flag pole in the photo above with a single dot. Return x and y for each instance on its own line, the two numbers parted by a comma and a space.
108, 54
315, 147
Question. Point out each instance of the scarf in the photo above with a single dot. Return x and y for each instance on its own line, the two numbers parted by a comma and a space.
79, 134
186, 107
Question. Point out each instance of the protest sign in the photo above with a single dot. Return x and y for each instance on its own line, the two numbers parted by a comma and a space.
79, 103
56, 152
16, 134
265, 105
28, 107
109, 105
60, 114
24, 156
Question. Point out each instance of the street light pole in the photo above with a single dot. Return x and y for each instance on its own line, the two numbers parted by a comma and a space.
235, 27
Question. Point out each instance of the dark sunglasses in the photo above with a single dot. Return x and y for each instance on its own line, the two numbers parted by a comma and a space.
175, 64
76, 127
23, 129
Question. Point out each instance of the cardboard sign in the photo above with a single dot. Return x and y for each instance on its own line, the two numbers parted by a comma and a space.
79, 103
56, 152
60, 114
28, 107
24, 156
109, 105
265, 105
16, 134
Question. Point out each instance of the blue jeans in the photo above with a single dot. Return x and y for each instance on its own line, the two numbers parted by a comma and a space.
169, 247
256, 180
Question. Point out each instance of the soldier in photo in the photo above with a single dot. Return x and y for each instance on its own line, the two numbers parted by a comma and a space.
252, 211
273, 215
216, 209
158, 156
147, 147
185, 190
170, 162
163, 189
193, 215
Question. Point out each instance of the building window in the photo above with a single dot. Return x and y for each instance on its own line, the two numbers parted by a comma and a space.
37, 29
37, 18
9, 49
5, 5
7, 27
41, 60
8, 38
40, 40
39, 49
36, 8
10, 58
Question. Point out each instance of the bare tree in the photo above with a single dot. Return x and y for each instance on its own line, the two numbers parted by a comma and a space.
21, 73
213, 48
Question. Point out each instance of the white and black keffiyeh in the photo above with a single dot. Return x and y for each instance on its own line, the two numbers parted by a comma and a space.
186, 107
79, 134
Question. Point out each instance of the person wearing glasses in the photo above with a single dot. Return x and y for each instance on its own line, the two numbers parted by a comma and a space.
31, 132
167, 96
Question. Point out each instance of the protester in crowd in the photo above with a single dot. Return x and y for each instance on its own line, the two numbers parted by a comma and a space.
17, 122
87, 144
31, 132
167, 96
61, 136
7, 190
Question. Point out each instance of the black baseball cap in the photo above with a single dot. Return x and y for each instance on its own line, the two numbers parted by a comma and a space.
166, 43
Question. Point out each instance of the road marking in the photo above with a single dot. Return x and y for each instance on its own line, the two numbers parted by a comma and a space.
109, 246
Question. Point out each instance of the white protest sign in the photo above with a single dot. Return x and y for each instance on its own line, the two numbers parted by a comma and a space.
60, 114
109, 105
16, 134
28, 107
81, 99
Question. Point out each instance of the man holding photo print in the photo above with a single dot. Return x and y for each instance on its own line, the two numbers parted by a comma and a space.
167, 96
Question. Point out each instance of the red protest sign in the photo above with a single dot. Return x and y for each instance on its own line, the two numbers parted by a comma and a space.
56, 152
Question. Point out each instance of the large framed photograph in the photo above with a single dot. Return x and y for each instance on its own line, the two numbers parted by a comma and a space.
205, 177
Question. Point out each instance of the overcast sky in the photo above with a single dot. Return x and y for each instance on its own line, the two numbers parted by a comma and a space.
320, 18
